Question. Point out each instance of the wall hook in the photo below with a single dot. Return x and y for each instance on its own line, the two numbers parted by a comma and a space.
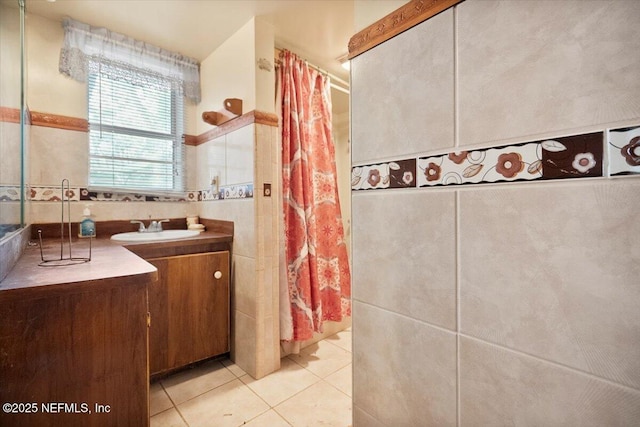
232, 109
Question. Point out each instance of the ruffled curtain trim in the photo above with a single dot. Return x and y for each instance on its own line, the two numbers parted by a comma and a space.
85, 46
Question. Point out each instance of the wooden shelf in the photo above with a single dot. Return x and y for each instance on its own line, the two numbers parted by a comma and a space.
232, 109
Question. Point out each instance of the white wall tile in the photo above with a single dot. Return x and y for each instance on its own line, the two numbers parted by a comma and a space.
404, 370
56, 154
417, 114
240, 155
10, 153
211, 161
244, 285
499, 387
241, 212
549, 270
405, 253
527, 67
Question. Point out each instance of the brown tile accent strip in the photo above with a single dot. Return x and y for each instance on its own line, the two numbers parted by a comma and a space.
405, 17
9, 115
59, 122
12, 115
254, 116
263, 118
190, 139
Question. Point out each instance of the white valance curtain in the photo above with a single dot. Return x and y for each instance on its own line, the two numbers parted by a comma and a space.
86, 46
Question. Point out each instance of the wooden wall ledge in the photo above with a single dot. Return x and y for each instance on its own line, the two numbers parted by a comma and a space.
407, 16
12, 115
255, 116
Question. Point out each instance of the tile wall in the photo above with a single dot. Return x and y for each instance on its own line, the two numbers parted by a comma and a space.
255, 251
495, 266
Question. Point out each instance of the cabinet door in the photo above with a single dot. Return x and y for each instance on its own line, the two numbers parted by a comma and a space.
84, 347
159, 310
191, 306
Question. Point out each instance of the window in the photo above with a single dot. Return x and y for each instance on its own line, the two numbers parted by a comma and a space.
135, 131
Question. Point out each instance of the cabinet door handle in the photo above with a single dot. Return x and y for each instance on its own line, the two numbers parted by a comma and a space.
217, 274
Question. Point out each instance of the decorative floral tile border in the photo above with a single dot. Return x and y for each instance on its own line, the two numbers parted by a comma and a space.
100, 196
208, 195
624, 150
396, 174
576, 156
509, 163
242, 191
53, 194
10, 193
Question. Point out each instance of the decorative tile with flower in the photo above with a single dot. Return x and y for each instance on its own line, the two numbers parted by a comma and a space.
396, 174
624, 150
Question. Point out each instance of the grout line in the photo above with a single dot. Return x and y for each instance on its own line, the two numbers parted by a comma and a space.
458, 313
173, 403
333, 386
456, 137
200, 375
551, 362
424, 322
281, 416
456, 91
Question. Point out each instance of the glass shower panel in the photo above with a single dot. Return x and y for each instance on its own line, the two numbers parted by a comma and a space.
12, 129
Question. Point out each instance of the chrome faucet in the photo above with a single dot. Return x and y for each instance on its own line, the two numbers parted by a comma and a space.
154, 226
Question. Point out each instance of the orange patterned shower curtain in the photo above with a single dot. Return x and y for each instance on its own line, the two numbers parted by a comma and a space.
317, 267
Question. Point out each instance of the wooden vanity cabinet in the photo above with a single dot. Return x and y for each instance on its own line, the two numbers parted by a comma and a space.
73, 341
189, 307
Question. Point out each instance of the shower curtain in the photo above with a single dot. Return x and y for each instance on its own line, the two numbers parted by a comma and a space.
317, 268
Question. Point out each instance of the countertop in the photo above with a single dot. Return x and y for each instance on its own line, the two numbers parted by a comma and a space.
112, 263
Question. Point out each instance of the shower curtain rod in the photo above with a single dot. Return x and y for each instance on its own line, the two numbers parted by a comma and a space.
331, 76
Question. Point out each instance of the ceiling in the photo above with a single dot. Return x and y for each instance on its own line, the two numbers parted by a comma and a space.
317, 30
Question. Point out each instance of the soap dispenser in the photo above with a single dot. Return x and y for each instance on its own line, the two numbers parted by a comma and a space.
87, 225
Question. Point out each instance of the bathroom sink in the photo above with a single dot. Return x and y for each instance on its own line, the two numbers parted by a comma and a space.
157, 236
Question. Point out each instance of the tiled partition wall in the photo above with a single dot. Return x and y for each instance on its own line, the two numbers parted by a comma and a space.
484, 302
251, 151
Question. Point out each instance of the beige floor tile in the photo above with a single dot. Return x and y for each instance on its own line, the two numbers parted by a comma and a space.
342, 380
320, 404
342, 339
193, 382
282, 384
158, 399
229, 405
169, 418
235, 369
322, 358
268, 419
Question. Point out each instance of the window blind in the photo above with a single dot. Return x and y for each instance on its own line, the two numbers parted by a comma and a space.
135, 131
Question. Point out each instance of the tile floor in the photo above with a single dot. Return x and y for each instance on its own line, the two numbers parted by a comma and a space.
312, 388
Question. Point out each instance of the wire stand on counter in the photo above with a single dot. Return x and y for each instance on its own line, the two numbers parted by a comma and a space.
70, 260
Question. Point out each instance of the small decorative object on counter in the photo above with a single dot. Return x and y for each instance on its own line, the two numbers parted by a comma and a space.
87, 225
199, 227
192, 219
192, 223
